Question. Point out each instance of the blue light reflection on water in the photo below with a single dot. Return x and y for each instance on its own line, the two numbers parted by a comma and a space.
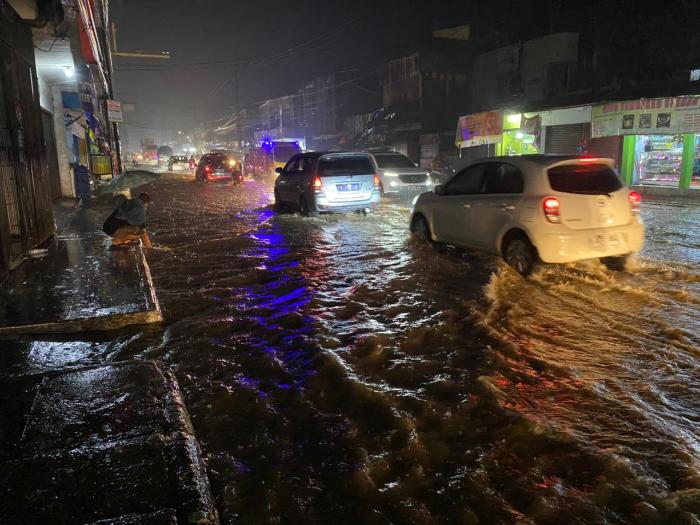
276, 307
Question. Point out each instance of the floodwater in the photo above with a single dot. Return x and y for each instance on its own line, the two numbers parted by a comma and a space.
337, 371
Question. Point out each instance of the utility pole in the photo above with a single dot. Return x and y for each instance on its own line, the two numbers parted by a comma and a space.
115, 52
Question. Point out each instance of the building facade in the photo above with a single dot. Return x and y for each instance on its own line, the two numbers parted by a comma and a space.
585, 89
56, 82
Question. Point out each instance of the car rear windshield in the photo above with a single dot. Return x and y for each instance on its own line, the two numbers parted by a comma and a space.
586, 179
218, 160
394, 161
345, 166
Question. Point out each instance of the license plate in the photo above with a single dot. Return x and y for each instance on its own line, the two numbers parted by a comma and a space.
605, 240
416, 187
353, 186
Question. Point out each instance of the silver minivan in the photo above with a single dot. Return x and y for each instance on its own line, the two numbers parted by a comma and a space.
327, 182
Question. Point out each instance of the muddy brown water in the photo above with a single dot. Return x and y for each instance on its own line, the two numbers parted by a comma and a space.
336, 371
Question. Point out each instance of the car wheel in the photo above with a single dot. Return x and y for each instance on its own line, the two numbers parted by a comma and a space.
421, 231
279, 205
617, 264
521, 255
305, 209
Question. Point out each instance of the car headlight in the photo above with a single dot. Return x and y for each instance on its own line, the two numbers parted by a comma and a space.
390, 174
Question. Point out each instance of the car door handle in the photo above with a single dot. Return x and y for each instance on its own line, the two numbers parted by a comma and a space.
466, 205
507, 207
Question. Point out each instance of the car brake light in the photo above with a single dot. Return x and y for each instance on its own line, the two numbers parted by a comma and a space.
635, 201
207, 168
588, 159
377, 182
551, 210
317, 184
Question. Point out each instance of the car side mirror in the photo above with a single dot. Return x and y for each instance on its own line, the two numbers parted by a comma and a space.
279, 170
439, 190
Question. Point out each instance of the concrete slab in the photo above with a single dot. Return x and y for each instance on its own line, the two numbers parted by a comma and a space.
80, 285
103, 444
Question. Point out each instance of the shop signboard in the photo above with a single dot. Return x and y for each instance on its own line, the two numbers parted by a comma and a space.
479, 129
114, 111
654, 116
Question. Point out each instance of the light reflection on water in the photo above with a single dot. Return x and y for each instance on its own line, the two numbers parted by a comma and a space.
336, 370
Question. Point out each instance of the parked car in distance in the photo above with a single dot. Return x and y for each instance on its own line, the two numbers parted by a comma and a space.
398, 174
178, 163
217, 166
535, 208
327, 182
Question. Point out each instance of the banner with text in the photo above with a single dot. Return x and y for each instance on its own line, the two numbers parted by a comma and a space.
479, 129
114, 111
654, 116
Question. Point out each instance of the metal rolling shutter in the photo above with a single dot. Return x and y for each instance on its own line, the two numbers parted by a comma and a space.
564, 139
608, 147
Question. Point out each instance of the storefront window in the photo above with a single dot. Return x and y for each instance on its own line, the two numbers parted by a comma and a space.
658, 159
695, 180
515, 142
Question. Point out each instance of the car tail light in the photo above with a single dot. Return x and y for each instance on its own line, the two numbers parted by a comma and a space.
317, 184
377, 182
207, 168
551, 210
635, 201
587, 160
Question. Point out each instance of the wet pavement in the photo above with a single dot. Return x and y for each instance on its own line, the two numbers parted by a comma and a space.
336, 371
79, 284
110, 443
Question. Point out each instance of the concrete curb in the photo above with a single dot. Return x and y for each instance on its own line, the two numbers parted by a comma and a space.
110, 443
662, 193
100, 323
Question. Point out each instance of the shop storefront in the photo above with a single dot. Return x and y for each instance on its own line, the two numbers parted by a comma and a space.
558, 131
660, 137
521, 136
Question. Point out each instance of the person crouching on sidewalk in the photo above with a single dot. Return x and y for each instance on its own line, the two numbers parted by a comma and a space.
127, 223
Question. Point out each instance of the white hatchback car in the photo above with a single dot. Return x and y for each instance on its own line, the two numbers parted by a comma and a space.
549, 208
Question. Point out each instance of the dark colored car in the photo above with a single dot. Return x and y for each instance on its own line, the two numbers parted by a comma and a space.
217, 166
178, 161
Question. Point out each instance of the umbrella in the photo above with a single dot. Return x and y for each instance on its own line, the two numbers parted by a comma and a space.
129, 180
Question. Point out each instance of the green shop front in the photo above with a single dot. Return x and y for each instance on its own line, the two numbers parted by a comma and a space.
660, 139
564, 131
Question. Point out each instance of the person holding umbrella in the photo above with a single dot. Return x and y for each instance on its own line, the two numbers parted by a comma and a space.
127, 223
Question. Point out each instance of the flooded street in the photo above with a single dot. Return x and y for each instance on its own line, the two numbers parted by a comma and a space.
337, 371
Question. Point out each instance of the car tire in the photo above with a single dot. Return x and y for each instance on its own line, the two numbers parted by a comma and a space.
616, 264
420, 229
305, 209
279, 205
521, 255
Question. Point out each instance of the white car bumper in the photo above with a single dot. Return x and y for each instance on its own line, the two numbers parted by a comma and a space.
571, 245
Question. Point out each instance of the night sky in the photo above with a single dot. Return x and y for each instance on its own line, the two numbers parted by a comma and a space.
275, 47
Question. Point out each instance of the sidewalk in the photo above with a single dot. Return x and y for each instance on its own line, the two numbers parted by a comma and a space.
667, 193
104, 444
84, 440
80, 285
